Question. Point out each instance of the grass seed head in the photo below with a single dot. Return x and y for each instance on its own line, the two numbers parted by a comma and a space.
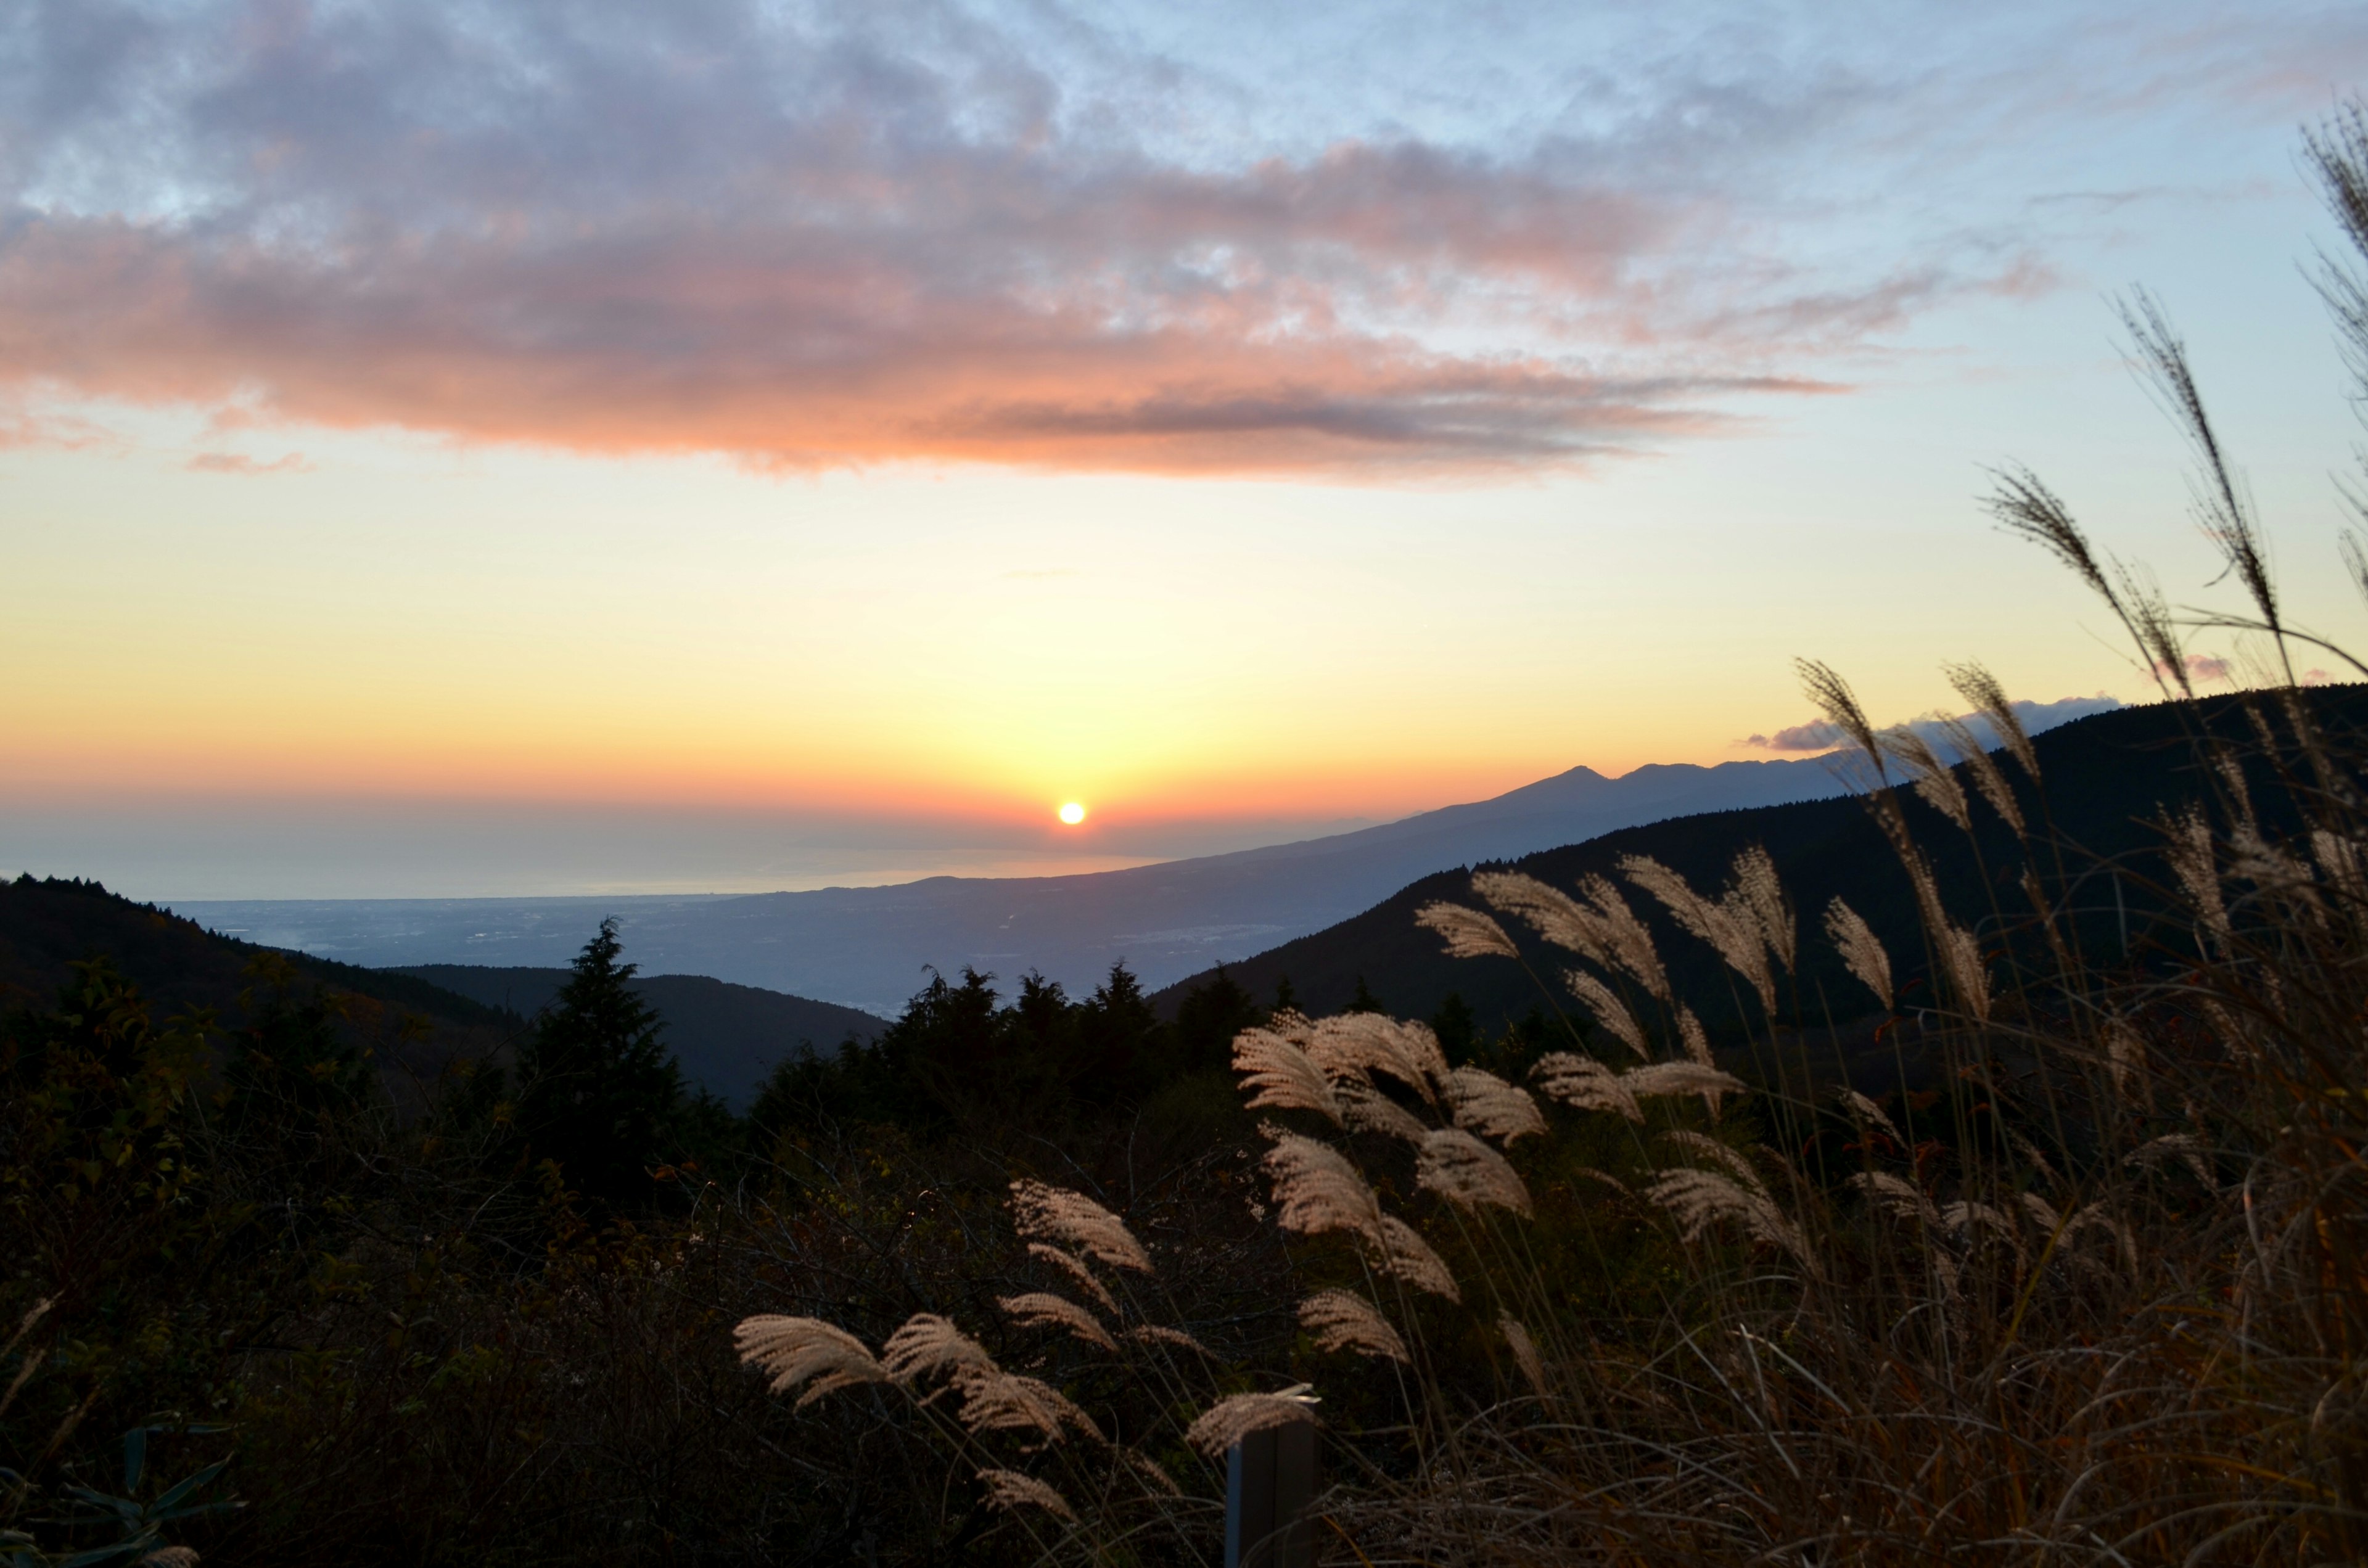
1056, 1214
1342, 1321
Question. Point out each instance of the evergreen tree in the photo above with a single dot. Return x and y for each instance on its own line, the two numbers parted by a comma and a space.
1457, 1029
1125, 1047
598, 1088
1209, 1017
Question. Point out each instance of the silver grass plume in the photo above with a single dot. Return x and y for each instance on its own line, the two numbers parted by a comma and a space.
1988, 776
1056, 1214
1405, 1050
1690, 1035
1960, 955
2125, 1060
1983, 693
1160, 1480
1490, 1107
927, 1344
1866, 1113
1724, 1155
1318, 1190
1861, 951
1470, 933
1901, 1199
1005, 1402
1282, 1075
1175, 1339
1610, 1012
1680, 1078
2186, 1147
2339, 861
1553, 913
1700, 1198
1073, 1266
1469, 1174
1343, 1321
1584, 1083
1961, 1216
1525, 1351
1230, 1420
797, 1349
1370, 1110
2222, 506
1933, 778
1631, 943
1762, 892
1402, 1254
1042, 1309
1832, 696
1008, 1491
1736, 940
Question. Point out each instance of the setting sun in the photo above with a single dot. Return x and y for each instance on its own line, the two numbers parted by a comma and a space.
1072, 813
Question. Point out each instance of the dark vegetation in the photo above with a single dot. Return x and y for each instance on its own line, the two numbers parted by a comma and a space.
451, 1283
726, 1037
456, 1285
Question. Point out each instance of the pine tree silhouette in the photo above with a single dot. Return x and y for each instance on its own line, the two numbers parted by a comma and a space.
597, 1085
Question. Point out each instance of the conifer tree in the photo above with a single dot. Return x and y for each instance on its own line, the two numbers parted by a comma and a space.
599, 1089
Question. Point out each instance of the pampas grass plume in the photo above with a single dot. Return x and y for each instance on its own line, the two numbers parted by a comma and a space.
1342, 1321
1525, 1351
1861, 951
1490, 1107
1586, 1083
1042, 1309
795, 1349
1057, 1214
1007, 1490
1610, 1011
1317, 1190
1073, 1266
1284, 1076
1230, 1420
1469, 1174
927, 1344
1470, 934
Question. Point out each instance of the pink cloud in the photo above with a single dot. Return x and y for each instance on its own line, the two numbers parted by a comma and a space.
2201, 668
238, 463
811, 241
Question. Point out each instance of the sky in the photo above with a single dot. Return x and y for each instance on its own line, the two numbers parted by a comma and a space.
467, 450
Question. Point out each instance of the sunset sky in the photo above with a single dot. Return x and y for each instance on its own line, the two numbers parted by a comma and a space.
506, 449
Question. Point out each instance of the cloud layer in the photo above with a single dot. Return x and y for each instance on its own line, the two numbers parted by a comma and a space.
852, 236
1822, 735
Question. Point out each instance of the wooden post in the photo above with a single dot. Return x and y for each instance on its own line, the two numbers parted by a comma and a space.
1270, 1481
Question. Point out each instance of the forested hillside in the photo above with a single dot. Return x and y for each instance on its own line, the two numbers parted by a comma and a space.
2108, 781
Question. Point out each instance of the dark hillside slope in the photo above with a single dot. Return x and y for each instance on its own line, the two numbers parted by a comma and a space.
48, 925
2106, 779
727, 1036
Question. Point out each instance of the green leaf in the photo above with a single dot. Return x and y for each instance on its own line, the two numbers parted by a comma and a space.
203, 1478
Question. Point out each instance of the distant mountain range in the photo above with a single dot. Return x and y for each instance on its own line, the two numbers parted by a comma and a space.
2107, 780
868, 947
